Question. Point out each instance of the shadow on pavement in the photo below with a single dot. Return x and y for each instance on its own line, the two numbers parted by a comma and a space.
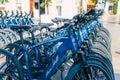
117, 52
111, 22
117, 76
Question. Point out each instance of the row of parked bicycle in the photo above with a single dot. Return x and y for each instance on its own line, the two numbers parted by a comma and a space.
78, 50
15, 17
8, 18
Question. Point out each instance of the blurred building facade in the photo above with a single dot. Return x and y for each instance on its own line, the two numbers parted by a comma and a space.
24, 5
15, 5
67, 8
64, 8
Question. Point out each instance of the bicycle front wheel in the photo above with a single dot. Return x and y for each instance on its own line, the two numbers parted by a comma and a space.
93, 71
10, 68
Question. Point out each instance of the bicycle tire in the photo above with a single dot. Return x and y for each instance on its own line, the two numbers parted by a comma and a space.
103, 43
14, 63
3, 41
105, 62
100, 46
95, 43
103, 33
12, 46
99, 41
12, 33
108, 55
100, 58
104, 39
101, 53
101, 30
98, 64
7, 36
106, 31
78, 68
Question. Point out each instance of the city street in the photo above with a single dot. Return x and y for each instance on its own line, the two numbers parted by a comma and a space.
111, 23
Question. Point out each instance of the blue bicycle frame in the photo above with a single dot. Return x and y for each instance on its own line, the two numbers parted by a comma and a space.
68, 43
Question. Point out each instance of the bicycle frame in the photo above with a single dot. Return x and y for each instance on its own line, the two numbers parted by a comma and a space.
59, 57
71, 44
60, 54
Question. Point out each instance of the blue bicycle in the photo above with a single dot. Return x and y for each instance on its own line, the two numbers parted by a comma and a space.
40, 60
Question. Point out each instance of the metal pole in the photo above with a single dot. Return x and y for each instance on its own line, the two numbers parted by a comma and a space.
39, 12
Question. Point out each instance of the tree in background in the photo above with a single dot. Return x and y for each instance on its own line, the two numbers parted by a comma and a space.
115, 6
2, 1
45, 4
91, 3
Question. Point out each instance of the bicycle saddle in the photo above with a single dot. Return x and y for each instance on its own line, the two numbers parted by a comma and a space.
46, 24
57, 20
92, 11
20, 27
